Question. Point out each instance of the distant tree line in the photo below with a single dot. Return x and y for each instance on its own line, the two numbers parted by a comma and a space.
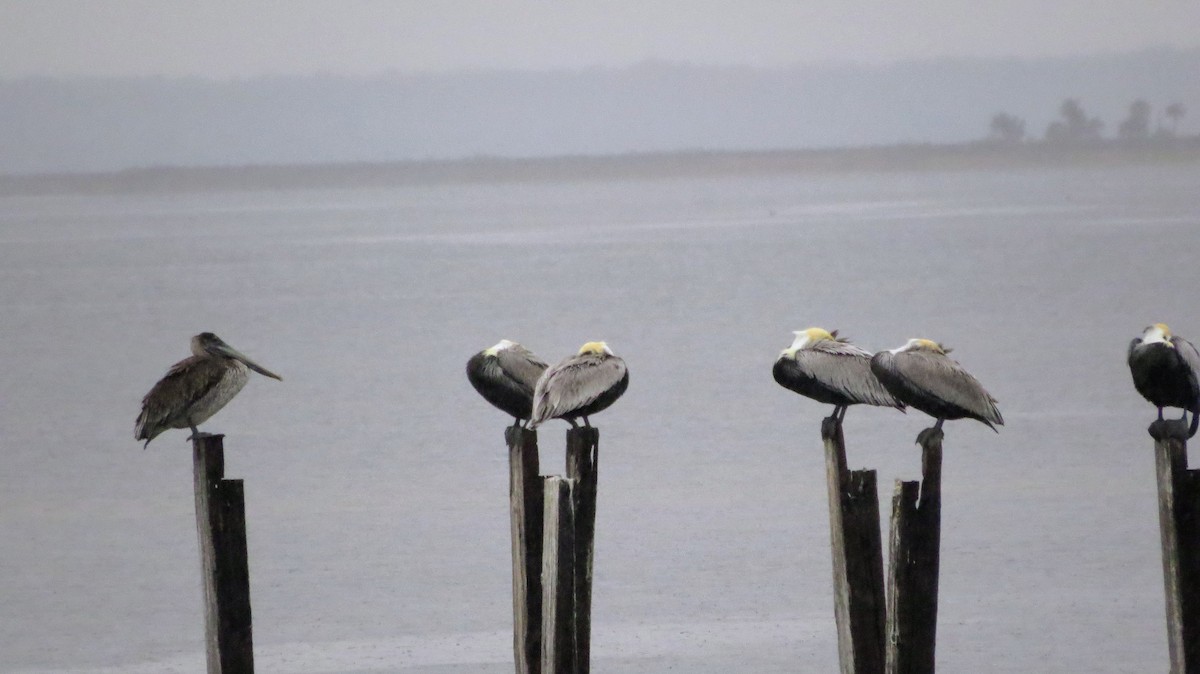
1074, 126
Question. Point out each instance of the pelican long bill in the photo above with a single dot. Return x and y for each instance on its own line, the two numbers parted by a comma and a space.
195, 388
231, 352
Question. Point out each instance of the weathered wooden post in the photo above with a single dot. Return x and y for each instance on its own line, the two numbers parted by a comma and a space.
568, 548
525, 500
558, 577
583, 457
913, 558
221, 527
858, 593
1179, 523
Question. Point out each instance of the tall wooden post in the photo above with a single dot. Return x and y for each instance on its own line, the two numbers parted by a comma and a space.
221, 527
525, 509
858, 593
558, 577
583, 462
913, 564
1179, 524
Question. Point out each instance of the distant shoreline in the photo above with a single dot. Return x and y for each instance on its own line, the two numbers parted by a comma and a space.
642, 166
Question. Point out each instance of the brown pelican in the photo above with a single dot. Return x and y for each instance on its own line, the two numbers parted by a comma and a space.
829, 369
195, 388
1166, 371
921, 375
579, 386
505, 375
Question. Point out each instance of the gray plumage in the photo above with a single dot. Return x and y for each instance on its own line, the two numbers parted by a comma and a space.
1166, 371
828, 369
921, 375
579, 386
195, 388
505, 375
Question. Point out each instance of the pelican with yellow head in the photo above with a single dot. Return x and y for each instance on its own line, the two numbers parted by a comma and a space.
831, 370
579, 386
1166, 371
921, 375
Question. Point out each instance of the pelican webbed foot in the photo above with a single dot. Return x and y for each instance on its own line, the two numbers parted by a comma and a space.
931, 434
830, 425
1169, 429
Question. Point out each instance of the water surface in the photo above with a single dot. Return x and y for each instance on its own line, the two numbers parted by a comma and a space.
376, 479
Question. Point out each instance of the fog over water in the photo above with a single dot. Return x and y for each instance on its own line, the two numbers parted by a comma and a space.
110, 124
376, 478
57, 38
106, 86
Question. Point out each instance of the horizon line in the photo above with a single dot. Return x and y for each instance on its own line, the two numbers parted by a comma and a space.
816, 64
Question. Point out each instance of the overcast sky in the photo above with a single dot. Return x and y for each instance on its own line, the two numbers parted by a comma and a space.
240, 38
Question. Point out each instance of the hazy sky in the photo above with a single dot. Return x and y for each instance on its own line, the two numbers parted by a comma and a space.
237, 38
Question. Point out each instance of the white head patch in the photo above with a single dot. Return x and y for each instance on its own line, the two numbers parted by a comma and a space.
919, 344
1157, 333
500, 346
802, 340
807, 337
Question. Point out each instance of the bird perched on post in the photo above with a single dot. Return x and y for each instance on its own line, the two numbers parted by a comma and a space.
579, 386
831, 370
1166, 371
505, 375
195, 388
921, 375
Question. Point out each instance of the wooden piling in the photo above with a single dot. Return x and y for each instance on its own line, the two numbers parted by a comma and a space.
583, 458
1179, 524
558, 577
221, 528
525, 500
857, 558
913, 564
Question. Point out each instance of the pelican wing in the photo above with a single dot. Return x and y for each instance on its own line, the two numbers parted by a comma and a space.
1191, 356
575, 383
845, 368
1187, 351
939, 377
837, 348
167, 403
1133, 345
522, 366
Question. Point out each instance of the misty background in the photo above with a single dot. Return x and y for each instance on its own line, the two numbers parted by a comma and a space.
136, 84
103, 124
1017, 171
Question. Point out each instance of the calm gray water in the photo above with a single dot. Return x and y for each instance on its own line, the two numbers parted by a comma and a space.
376, 479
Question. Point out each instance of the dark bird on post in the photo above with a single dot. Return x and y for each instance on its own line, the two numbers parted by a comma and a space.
1166, 371
195, 388
579, 386
921, 375
831, 370
505, 375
